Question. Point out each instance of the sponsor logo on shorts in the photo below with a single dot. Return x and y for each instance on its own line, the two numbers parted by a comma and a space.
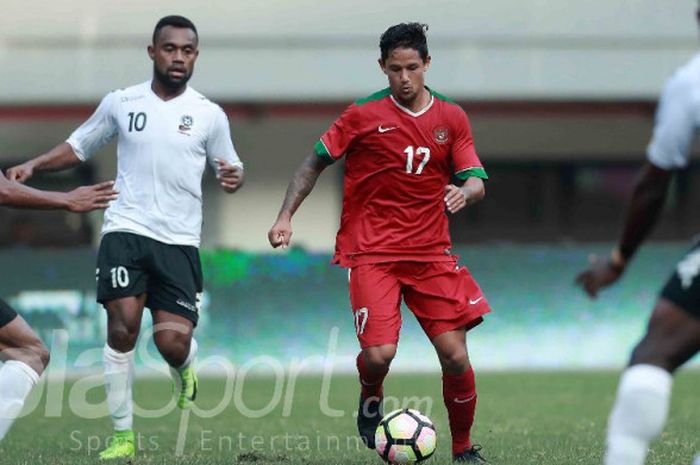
476, 301
187, 305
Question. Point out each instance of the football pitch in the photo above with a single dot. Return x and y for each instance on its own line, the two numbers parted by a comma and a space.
524, 418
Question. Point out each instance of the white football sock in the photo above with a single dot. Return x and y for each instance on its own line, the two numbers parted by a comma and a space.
16, 382
119, 376
639, 414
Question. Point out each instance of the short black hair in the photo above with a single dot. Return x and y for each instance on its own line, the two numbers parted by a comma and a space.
175, 21
405, 35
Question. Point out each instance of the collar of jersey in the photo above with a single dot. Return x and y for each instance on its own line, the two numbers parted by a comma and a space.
414, 113
150, 90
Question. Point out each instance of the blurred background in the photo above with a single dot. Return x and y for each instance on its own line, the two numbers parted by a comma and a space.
561, 97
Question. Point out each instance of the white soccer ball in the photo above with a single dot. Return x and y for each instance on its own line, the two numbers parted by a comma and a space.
405, 437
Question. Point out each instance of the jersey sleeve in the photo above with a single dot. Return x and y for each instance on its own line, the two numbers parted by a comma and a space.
335, 142
96, 131
219, 143
466, 161
674, 126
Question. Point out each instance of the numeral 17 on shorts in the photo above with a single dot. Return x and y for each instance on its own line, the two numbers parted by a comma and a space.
361, 316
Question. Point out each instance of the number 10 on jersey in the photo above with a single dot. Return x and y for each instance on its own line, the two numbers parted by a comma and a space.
421, 152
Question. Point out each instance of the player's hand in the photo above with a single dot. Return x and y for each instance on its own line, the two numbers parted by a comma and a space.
599, 275
88, 198
21, 172
280, 234
455, 198
230, 176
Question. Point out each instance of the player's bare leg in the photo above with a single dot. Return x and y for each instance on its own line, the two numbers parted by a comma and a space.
173, 338
24, 357
20, 343
372, 365
644, 393
459, 392
123, 325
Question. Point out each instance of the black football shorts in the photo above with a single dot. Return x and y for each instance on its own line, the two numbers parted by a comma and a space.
683, 287
171, 275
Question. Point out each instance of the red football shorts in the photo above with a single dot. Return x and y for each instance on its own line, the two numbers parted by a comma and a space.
442, 295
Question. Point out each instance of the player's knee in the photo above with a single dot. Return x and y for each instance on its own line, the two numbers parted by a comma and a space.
173, 349
380, 359
122, 338
34, 354
454, 362
43, 355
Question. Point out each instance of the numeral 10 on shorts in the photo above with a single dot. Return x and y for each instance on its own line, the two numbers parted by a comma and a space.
120, 277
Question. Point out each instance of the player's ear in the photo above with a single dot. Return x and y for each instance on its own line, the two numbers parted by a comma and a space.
151, 52
382, 65
426, 63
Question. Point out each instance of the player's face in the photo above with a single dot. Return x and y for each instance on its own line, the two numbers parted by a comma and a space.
406, 72
173, 55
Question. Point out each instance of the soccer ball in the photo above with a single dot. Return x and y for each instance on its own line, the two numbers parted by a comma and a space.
405, 437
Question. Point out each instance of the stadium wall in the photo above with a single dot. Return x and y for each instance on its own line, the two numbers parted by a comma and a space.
76, 50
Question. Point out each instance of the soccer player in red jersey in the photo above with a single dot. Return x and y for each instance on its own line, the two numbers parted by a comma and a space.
402, 145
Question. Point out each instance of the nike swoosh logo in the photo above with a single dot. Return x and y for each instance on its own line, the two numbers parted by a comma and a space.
383, 130
472, 302
464, 401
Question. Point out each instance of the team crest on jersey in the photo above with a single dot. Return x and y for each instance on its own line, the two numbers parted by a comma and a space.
441, 134
186, 122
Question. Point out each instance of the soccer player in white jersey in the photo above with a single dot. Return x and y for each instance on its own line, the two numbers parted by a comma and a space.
673, 333
149, 255
23, 354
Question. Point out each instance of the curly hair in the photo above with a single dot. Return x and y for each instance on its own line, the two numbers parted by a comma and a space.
175, 21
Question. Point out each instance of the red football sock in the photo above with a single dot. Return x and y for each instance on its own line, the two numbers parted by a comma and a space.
459, 394
371, 382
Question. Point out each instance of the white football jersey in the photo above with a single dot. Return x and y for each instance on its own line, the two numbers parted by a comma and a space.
677, 118
162, 149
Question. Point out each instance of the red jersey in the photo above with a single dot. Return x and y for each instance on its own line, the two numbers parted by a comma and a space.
397, 164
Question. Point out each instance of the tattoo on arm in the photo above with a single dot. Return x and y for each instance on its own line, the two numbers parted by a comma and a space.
302, 183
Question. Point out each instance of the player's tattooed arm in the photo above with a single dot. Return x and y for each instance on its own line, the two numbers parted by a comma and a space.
58, 158
457, 198
300, 186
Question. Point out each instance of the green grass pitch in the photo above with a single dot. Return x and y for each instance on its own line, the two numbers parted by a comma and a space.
537, 418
